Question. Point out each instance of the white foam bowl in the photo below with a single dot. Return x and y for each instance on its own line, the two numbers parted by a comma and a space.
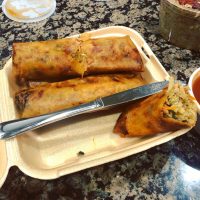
193, 77
33, 18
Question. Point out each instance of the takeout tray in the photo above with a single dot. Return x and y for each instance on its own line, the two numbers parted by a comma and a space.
52, 151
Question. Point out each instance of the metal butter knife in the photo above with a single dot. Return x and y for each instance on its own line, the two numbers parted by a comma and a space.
14, 127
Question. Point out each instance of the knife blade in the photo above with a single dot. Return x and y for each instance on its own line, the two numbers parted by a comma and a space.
14, 127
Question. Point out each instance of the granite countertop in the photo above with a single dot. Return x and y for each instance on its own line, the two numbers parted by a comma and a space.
168, 171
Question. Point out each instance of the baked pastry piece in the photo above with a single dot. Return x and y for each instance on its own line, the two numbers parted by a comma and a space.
169, 110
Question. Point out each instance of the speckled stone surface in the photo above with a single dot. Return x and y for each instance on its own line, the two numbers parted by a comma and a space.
168, 171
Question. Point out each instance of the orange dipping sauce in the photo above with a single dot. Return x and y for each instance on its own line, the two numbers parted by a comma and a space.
196, 89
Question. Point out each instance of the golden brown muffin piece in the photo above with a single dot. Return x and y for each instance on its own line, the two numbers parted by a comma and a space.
169, 110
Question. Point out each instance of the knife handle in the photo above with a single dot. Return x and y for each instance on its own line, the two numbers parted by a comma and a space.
14, 127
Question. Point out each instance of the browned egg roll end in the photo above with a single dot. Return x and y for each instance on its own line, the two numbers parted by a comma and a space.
169, 110
44, 60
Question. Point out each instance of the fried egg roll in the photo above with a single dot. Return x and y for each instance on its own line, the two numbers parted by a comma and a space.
169, 110
59, 59
44, 61
51, 97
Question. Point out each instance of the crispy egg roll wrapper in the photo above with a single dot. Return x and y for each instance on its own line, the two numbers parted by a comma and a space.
63, 58
52, 97
44, 61
148, 117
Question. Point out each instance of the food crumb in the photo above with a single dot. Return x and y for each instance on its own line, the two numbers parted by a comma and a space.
80, 153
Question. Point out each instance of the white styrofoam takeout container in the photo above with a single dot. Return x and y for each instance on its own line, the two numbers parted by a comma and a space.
51, 151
